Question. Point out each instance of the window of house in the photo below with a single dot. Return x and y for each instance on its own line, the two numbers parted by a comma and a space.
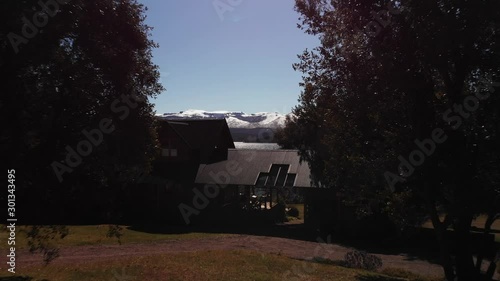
290, 179
261, 179
282, 175
169, 152
273, 174
277, 176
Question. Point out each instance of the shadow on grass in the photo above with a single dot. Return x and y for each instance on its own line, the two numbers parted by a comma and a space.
18, 278
320, 260
386, 276
413, 251
378, 278
290, 231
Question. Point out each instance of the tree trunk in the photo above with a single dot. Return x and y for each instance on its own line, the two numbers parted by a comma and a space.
445, 254
466, 271
492, 216
440, 231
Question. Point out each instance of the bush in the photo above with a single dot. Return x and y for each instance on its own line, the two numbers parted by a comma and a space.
293, 212
362, 260
279, 212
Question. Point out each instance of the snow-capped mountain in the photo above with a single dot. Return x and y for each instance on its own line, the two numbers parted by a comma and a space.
234, 119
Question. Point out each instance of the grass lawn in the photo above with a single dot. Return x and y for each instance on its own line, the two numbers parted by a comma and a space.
96, 235
206, 265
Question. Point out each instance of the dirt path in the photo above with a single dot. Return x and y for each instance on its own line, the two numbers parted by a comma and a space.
287, 247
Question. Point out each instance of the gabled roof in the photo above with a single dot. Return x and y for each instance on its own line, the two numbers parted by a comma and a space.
202, 133
244, 166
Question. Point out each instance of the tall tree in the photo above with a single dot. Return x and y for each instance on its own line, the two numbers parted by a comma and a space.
400, 106
77, 123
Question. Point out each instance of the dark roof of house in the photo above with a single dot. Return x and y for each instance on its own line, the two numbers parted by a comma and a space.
257, 146
244, 166
199, 133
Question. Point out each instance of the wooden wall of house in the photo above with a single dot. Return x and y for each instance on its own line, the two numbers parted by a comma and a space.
171, 140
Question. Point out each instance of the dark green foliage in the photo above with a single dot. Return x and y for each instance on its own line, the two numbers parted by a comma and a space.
369, 97
43, 239
115, 231
90, 62
293, 212
279, 212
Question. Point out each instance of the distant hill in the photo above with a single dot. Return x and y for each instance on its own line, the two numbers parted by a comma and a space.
257, 127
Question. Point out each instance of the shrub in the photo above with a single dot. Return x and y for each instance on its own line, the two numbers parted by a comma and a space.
293, 212
279, 212
363, 260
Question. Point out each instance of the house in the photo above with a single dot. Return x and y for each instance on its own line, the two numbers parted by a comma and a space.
258, 168
258, 176
196, 153
185, 145
255, 180
203, 141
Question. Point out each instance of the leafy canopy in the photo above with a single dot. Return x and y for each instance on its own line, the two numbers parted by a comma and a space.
389, 78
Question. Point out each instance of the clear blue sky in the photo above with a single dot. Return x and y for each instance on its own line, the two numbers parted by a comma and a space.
238, 61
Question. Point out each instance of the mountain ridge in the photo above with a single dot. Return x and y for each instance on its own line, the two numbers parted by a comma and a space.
234, 119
